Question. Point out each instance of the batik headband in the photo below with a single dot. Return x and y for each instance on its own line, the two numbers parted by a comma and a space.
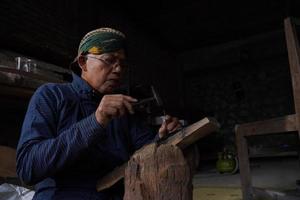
102, 40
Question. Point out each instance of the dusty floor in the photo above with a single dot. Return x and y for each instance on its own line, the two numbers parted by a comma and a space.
276, 174
217, 193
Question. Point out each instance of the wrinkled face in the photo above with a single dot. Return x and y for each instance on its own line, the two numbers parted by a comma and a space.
103, 72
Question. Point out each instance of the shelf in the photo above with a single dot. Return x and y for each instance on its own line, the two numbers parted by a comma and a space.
14, 82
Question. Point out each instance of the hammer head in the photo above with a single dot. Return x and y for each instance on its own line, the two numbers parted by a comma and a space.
149, 99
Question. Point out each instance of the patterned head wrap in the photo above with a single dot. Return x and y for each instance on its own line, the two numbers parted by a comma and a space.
102, 40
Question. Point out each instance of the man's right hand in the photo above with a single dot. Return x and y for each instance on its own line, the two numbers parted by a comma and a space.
113, 106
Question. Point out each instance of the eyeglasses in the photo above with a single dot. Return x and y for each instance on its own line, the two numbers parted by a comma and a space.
111, 61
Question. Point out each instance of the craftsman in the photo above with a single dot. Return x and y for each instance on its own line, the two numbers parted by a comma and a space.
75, 133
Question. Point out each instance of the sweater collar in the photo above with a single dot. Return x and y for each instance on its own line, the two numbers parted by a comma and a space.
83, 88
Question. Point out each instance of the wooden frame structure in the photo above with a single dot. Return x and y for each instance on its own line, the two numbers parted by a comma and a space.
283, 124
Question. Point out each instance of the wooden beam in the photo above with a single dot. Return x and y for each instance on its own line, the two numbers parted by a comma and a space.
270, 126
244, 166
182, 139
293, 48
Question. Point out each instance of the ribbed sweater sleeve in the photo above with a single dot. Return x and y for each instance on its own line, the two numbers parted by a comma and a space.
41, 151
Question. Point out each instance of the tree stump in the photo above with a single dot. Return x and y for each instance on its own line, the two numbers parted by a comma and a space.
158, 173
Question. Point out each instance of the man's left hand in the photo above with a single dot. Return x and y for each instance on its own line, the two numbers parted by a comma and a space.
169, 125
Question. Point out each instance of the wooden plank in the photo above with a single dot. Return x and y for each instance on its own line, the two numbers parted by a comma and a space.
294, 61
192, 133
182, 138
113, 177
46, 77
244, 166
7, 162
270, 126
18, 83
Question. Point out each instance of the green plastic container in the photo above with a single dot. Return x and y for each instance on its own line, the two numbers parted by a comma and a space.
226, 163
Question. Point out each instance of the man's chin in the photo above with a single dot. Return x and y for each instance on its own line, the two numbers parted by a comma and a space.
110, 90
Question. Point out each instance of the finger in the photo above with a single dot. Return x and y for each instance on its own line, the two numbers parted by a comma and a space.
107, 101
122, 100
167, 119
119, 105
163, 130
129, 98
177, 128
119, 97
164, 125
111, 112
121, 111
122, 104
172, 125
129, 107
115, 103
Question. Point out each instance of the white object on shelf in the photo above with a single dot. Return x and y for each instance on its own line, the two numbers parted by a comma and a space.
26, 64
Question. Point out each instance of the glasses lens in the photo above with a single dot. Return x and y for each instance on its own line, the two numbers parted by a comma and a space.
114, 61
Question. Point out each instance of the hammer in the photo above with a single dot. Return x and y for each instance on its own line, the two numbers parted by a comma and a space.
155, 98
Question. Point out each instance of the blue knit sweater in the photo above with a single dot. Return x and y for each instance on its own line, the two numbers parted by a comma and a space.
63, 150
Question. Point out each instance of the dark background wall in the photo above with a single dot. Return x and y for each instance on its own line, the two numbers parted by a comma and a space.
239, 82
207, 58
51, 32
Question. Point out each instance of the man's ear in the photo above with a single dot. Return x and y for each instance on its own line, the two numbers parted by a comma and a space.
82, 62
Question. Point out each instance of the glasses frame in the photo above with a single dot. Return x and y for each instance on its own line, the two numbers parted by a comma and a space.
111, 65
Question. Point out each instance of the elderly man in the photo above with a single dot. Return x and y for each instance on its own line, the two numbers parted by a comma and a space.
75, 133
